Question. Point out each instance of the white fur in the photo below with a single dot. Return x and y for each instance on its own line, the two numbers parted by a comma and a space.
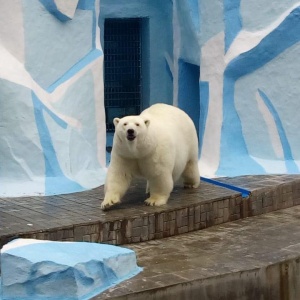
165, 149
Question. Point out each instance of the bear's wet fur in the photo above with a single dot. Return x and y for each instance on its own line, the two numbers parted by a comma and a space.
160, 145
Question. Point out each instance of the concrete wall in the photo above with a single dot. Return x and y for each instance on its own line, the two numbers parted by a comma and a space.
273, 282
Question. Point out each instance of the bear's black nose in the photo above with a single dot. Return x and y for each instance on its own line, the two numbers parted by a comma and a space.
130, 131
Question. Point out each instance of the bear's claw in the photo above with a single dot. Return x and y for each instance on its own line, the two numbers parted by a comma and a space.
191, 185
108, 203
155, 201
105, 206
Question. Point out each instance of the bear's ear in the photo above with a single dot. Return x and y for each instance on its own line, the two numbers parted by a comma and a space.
116, 121
147, 122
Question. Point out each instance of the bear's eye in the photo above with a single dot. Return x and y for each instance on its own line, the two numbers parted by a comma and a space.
137, 124
125, 124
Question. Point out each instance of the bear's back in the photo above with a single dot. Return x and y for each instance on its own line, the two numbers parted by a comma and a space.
169, 117
175, 134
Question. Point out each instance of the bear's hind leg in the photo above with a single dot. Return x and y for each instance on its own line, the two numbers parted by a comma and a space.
190, 175
160, 190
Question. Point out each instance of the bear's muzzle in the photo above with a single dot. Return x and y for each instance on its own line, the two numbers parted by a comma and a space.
131, 135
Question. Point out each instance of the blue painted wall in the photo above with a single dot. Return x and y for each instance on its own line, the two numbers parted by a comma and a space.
51, 93
157, 42
188, 92
233, 66
256, 80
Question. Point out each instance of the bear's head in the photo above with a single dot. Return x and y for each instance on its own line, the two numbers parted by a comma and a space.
131, 128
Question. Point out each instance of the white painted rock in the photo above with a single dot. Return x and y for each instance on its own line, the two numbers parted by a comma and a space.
34, 270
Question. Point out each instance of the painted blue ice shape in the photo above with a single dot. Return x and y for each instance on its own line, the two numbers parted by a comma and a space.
232, 20
93, 55
55, 181
51, 6
204, 102
277, 41
287, 152
194, 11
233, 146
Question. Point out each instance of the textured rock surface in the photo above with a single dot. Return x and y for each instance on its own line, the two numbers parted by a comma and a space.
64, 10
33, 269
51, 72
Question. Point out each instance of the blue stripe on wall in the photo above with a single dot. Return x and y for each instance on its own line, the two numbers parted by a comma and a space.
94, 30
55, 180
234, 156
204, 101
280, 39
232, 20
86, 4
50, 5
90, 5
194, 11
188, 90
288, 156
93, 55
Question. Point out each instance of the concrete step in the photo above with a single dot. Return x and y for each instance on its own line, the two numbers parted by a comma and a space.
256, 258
78, 217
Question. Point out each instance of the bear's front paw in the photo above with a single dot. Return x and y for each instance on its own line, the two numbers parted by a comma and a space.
110, 201
191, 185
156, 201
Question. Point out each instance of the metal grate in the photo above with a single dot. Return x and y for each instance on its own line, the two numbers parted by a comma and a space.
122, 65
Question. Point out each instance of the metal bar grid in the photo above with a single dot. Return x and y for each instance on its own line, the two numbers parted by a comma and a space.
122, 66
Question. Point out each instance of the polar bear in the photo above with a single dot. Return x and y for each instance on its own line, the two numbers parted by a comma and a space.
160, 145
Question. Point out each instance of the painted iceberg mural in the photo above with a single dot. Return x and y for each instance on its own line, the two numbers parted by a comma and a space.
249, 87
232, 65
52, 130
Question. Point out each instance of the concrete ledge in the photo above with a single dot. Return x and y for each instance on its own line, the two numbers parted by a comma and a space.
275, 282
254, 258
78, 217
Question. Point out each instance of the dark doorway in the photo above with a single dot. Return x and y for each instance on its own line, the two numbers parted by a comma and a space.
122, 68
188, 91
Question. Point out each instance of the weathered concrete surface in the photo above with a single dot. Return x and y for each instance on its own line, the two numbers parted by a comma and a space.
257, 258
78, 216
259, 255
